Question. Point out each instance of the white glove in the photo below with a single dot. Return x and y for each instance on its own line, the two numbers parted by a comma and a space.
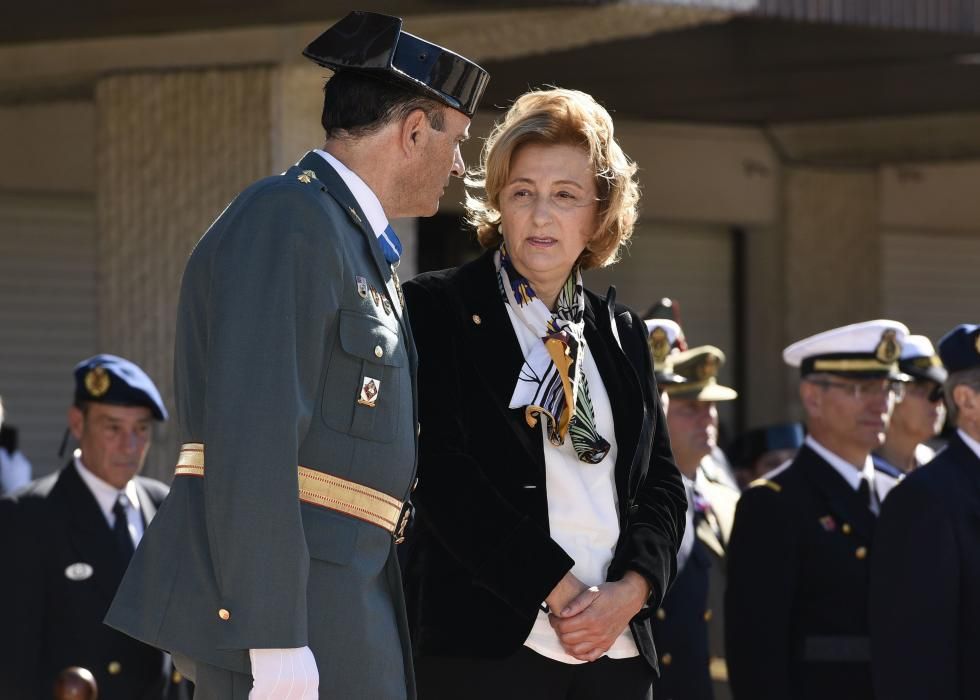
284, 674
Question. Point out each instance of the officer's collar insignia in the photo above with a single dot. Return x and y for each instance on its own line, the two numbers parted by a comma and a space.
659, 345
306, 177
362, 287
828, 523
97, 382
889, 349
707, 368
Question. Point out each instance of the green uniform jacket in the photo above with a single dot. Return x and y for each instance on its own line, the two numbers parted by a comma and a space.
274, 341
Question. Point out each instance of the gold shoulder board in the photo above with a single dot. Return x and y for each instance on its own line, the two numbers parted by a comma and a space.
768, 484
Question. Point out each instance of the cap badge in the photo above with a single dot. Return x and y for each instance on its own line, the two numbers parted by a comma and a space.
977, 344
659, 345
708, 368
306, 177
97, 382
889, 348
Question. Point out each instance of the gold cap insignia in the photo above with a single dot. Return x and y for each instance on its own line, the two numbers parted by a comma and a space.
97, 382
708, 367
889, 348
306, 177
978, 342
659, 345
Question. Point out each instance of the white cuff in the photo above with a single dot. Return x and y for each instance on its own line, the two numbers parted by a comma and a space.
284, 674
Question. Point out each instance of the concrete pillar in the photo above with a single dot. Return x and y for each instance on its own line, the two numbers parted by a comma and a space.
173, 148
832, 252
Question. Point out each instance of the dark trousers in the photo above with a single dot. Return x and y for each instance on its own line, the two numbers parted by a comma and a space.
213, 683
529, 676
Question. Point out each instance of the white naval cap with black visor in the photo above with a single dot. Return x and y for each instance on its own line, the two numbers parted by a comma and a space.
860, 350
374, 44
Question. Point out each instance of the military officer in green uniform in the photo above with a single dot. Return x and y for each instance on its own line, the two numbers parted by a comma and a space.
688, 627
270, 571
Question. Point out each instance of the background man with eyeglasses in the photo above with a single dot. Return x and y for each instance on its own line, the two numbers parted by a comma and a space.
798, 562
919, 416
925, 575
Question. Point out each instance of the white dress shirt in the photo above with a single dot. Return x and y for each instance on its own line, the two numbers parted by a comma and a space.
582, 507
369, 203
106, 496
851, 473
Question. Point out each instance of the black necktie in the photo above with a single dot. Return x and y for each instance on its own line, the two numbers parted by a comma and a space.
120, 529
864, 491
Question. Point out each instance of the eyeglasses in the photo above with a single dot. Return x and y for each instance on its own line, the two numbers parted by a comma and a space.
864, 390
930, 391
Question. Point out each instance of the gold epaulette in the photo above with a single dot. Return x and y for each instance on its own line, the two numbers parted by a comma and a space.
768, 484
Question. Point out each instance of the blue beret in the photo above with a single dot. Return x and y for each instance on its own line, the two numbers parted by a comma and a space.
116, 380
960, 348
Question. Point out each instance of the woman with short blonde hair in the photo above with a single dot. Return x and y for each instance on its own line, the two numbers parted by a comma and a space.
549, 506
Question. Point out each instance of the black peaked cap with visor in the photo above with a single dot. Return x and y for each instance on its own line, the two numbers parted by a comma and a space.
374, 44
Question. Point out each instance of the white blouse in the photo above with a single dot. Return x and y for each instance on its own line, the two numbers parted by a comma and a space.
582, 508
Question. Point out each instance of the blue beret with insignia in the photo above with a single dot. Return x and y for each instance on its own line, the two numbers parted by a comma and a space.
960, 348
115, 380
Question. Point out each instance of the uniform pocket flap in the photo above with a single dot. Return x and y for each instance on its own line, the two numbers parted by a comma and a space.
367, 338
330, 536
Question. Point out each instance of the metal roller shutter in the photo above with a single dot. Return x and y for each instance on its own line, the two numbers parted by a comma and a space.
930, 281
692, 264
47, 314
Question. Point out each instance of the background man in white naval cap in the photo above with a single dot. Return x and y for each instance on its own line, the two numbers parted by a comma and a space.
798, 568
919, 416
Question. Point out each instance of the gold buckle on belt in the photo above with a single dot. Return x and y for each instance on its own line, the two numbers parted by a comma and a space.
325, 490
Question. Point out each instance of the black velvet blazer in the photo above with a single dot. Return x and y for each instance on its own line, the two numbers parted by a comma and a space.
480, 559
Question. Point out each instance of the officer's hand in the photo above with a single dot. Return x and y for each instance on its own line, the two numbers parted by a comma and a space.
589, 625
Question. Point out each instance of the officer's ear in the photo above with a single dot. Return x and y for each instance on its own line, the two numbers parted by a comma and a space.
76, 422
966, 399
414, 131
811, 397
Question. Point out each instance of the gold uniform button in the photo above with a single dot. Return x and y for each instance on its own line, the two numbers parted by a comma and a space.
661, 614
224, 614
708, 615
861, 552
846, 528
176, 677
378, 352
477, 320
114, 668
666, 659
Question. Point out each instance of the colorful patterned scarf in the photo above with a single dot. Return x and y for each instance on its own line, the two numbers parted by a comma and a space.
552, 382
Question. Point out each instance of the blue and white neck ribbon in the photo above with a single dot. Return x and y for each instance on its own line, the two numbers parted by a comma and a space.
390, 245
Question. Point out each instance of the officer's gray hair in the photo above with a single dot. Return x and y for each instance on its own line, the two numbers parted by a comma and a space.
969, 377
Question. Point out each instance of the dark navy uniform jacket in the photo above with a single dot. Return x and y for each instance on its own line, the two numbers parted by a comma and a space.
925, 587
61, 569
798, 576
